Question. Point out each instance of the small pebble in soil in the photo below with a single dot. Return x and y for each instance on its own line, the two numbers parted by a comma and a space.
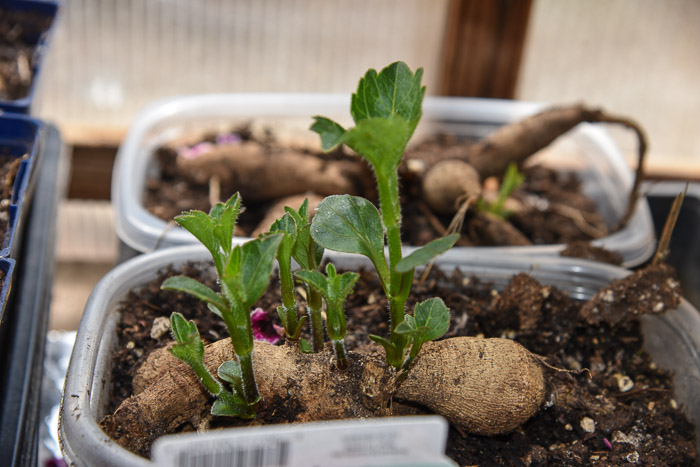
588, 425
620, 437
624, 383
632, 457
572, 363
609, 296
161, 326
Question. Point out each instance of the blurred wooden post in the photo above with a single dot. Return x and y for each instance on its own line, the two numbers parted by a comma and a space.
483, 47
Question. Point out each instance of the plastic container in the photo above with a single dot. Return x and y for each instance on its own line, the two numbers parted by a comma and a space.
597, 160
19, 135
684, 249
24, 330
44, 9
7, 267
673, 339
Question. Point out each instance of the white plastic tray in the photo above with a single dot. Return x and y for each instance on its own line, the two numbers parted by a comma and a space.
672, 339
598, 162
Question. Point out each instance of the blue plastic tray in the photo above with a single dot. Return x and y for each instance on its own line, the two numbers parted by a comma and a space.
19, 135
47, 9
7, 266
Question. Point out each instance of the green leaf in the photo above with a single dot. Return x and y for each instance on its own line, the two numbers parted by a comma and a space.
248, 273
286, 225
288, 228
301, 216
408, 327
331, 133
382, 141
306, 252
395, 91
228, 408
225, 216
230, 371
197, 290
393, 356
433, 315
344, 284
201, 226
315, 279
189, 347
426, 253
349, 224
305, 346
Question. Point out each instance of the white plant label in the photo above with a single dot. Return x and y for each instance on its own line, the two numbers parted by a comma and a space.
396, 442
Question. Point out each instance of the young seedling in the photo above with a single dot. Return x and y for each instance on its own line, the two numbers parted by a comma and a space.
244, 273
308, 255
287, 226
386, 109
512, 179
334, 288
190, 349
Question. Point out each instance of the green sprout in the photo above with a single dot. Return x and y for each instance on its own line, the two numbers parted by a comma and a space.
386, 109
308, 255
512, 179
244, 273
334, 288
287, 226
190, 349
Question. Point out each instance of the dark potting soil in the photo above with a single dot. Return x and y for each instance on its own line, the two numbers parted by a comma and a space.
619, 411
19, 34
555, 209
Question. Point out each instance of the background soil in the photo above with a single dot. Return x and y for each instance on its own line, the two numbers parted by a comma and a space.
557, 216
19, 33
621, 411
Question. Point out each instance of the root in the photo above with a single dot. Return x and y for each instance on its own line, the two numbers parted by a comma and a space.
261, 175
519, 140
485, 386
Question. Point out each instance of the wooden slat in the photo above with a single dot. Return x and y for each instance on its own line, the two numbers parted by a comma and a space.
483, 47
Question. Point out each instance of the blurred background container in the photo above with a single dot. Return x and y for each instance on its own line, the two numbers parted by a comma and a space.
110, 58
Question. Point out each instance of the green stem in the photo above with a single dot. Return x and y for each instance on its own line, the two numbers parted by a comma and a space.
209, 382
287, 284
241, 332
315, 320
341, 356
390, 207
250, 388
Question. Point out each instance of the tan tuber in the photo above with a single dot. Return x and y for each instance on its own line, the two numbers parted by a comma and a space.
521, 139
260, 174
484, 386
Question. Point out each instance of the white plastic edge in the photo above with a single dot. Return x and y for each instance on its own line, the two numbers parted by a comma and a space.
84, 443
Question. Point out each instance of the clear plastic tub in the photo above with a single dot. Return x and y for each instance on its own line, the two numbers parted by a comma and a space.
590, 152
672, 339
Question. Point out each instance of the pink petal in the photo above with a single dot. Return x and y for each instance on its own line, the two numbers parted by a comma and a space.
263, 328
